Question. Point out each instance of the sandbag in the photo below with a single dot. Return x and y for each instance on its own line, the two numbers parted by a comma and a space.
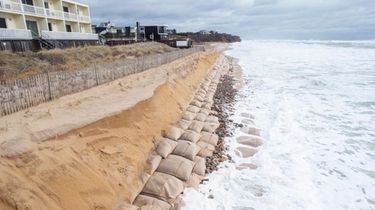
205, 153
210, 127
186, 149
174, 133
191, 136
196, 103
202, 92
205, 111
209, 138
196, 126
206, 150
199, 166
177, 204
193, 109
193, 181
206, 106
144, 200
152, 163
144, 179
201, 117
212, 119
208, 99
177, 166
165, 147
184, 124
199, 98
163, 185
188, 116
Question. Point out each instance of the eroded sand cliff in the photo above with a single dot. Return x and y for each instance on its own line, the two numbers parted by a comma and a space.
88, 150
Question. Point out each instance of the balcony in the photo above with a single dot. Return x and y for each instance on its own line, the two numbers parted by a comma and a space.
70, 16
84, 18
15, 34
54, 13
68, 35
10, 6
33, 10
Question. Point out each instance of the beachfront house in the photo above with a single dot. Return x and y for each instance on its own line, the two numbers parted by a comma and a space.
35, 24
115, 35
155, 32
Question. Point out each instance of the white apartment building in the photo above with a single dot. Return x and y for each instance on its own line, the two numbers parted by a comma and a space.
64, 20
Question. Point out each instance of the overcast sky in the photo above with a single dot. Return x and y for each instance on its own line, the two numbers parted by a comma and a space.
252, 19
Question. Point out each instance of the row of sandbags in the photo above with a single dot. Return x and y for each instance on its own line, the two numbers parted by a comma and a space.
179, 160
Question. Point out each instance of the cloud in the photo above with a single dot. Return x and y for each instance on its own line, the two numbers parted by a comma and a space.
253, 19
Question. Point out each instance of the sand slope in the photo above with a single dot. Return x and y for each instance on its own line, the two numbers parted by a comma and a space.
88, 150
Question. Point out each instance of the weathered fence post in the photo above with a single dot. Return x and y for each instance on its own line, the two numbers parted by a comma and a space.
96, 74
49, 85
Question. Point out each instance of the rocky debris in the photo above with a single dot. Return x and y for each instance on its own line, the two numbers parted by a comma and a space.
224, 99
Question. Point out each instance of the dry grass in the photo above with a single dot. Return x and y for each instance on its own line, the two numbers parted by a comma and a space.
20, 65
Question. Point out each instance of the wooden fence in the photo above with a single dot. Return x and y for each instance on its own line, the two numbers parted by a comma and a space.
16, 95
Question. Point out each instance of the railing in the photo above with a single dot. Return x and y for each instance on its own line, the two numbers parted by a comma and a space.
33, 10
70, 16
40, 11
10, 6
69, 35
84, 18
12, 34
54, 13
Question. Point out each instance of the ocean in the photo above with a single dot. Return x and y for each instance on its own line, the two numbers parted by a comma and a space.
314, 102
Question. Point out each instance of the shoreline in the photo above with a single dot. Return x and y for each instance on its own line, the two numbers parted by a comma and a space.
224, 100
232, 158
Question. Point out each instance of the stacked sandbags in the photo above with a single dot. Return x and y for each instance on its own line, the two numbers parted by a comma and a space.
179, 159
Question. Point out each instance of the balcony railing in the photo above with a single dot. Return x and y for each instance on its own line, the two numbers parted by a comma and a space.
69, 35
70, 16
10, 6
54, 13
29, 9
12, 34
40, 11
84, 18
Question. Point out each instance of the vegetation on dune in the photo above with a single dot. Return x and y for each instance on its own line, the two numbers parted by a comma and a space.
212, 36
20, 65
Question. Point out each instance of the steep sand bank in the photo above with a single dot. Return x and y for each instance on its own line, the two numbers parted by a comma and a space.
98, 165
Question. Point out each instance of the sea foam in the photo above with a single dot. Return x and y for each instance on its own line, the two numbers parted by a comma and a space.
314, 103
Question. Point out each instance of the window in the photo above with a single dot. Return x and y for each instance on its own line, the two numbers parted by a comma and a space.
28, 2
3, 23
50, 26
66, 9
68, 28
46, 5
